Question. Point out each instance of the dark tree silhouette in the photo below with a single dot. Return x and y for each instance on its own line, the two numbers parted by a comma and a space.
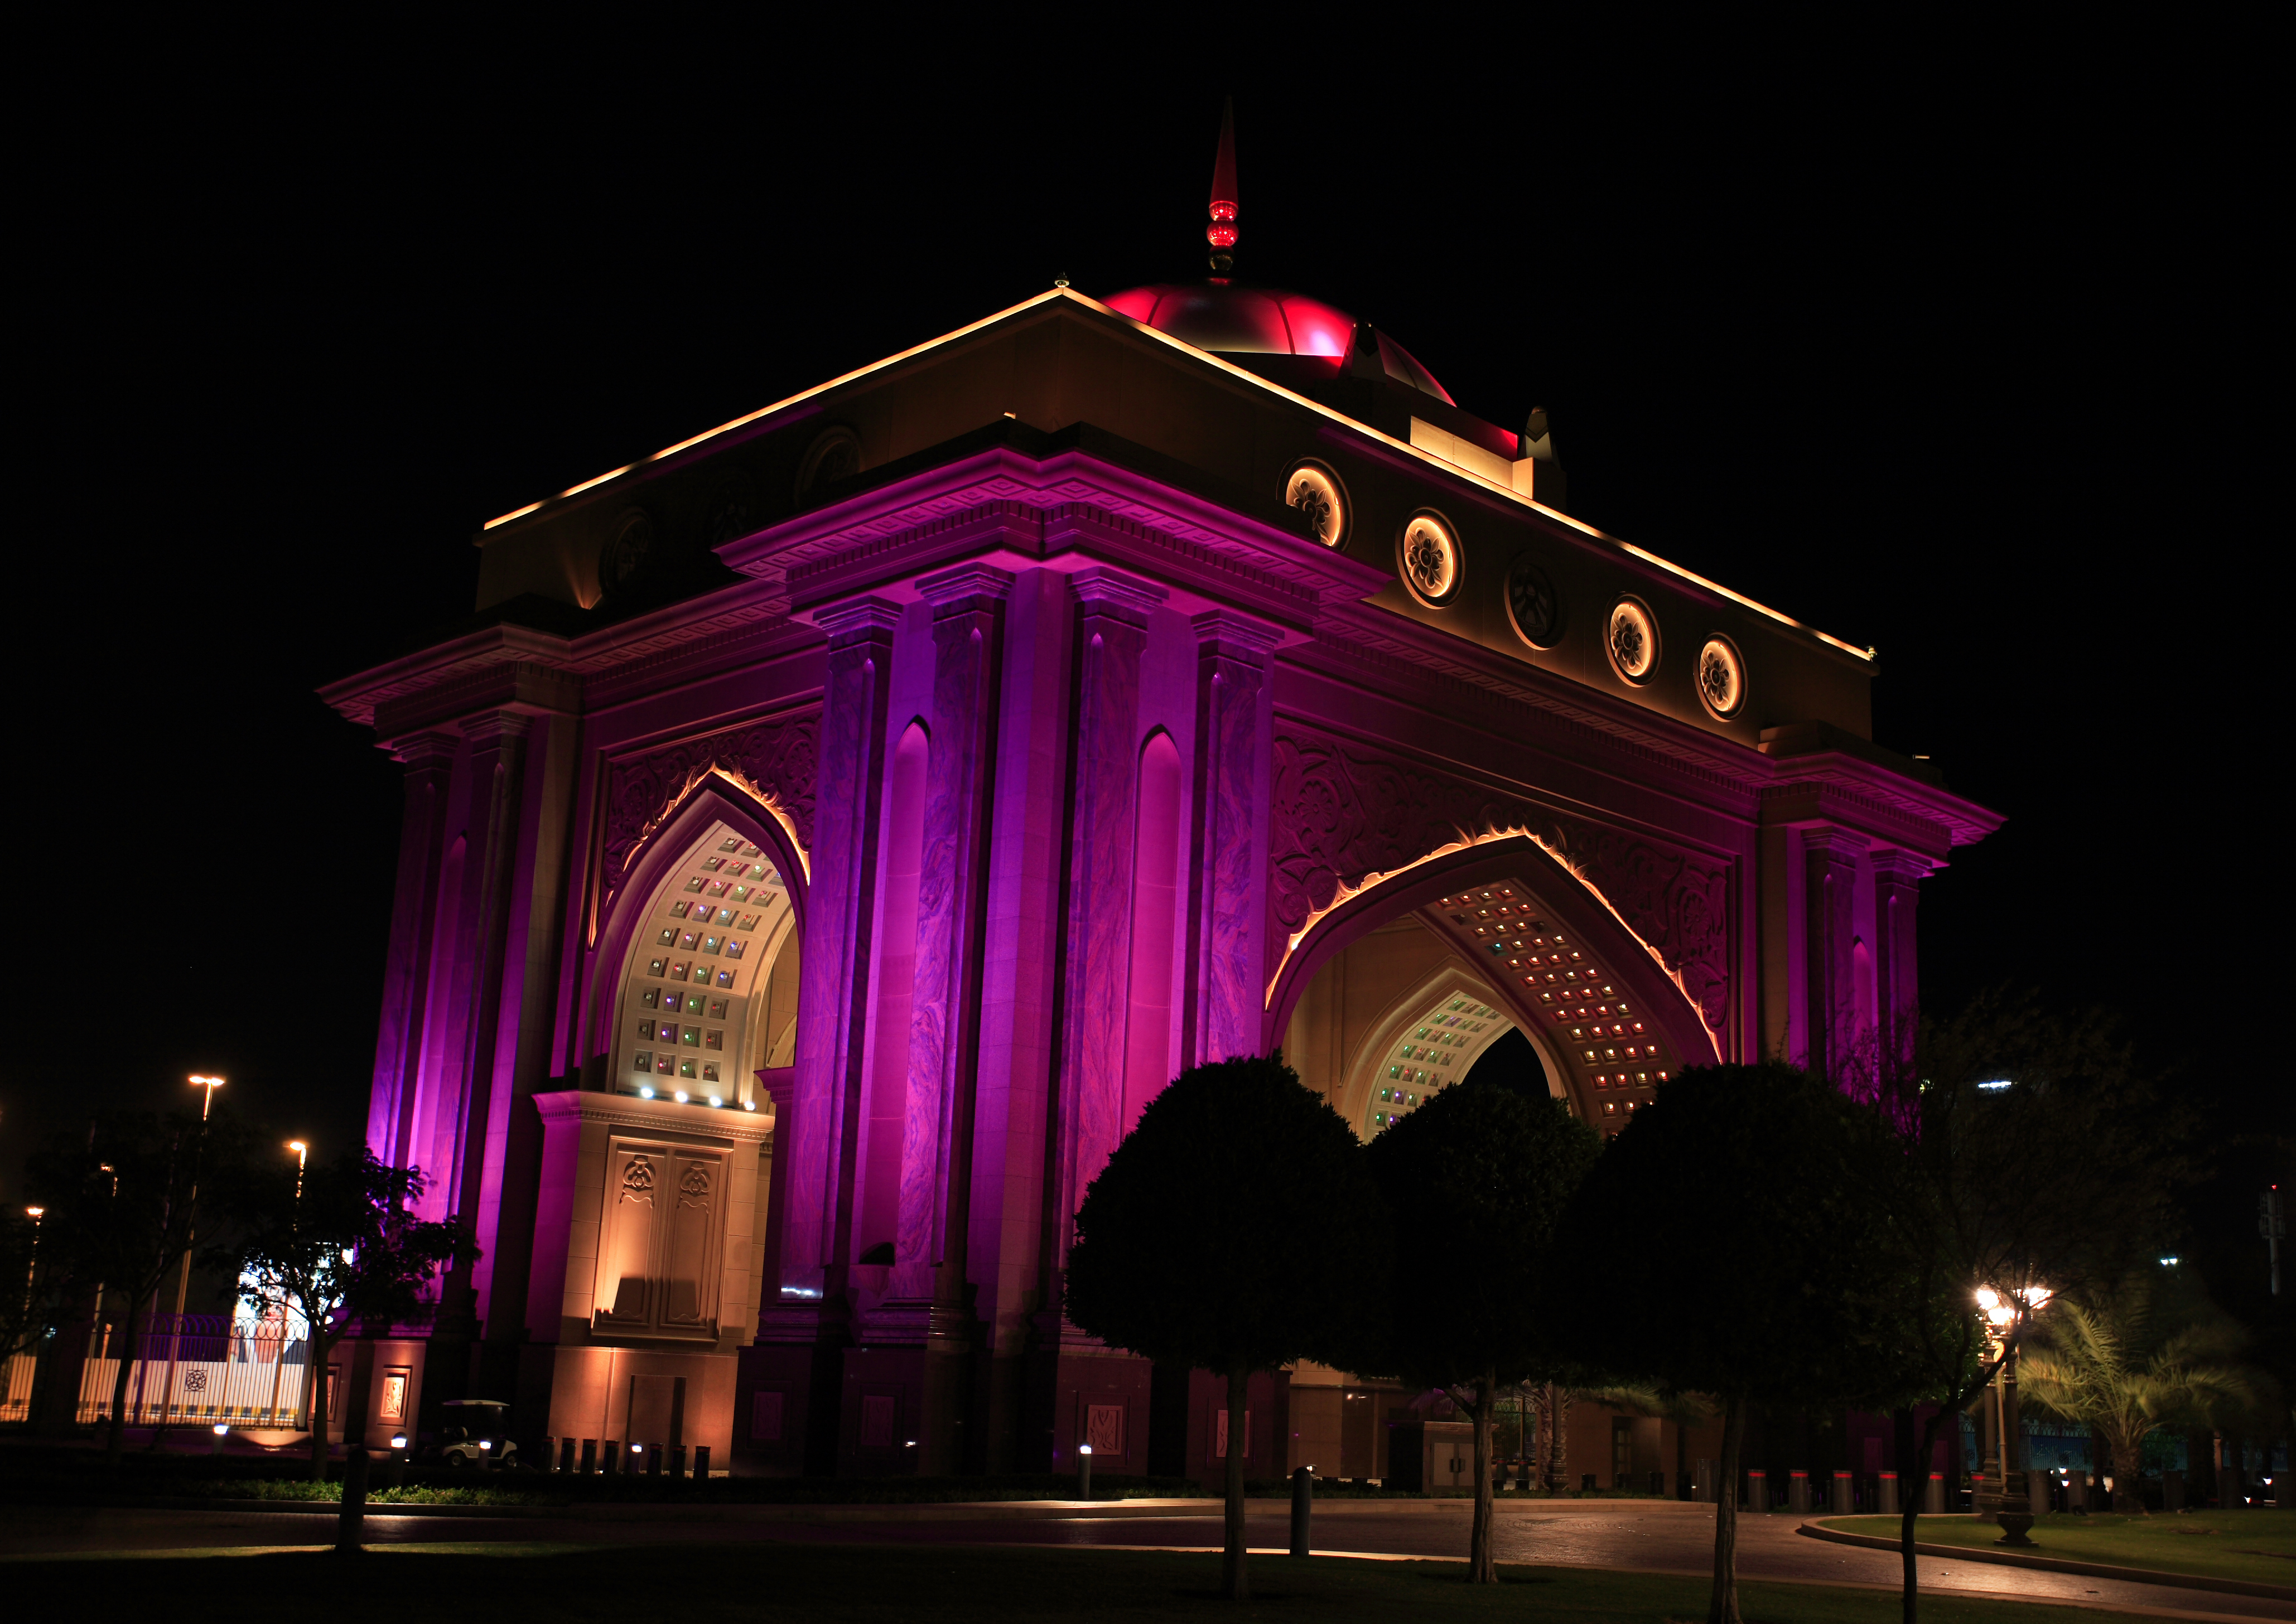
339, 1244
1236, 1229
1486, 1173
1743, 1237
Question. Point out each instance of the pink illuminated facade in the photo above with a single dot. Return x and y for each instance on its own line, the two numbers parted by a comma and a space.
838, 827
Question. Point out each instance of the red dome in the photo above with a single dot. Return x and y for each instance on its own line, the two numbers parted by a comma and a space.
1225, 317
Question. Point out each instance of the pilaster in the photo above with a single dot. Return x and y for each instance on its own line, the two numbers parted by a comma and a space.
1111, 630
497, 773
1830, 877
429, 761
1897, 877
1227, 844
833, 1012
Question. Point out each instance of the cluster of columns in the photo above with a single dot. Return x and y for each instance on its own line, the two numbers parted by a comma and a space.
1859, 992
1036, 992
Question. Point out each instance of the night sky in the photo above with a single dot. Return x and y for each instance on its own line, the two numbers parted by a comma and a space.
1979, 387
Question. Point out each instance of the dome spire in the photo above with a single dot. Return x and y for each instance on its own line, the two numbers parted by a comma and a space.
1221, 232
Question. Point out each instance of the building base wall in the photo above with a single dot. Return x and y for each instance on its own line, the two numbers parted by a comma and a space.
643, 1396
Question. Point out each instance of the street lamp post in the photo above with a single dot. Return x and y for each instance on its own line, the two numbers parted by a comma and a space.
279, 1355
184, 1278
2007, 1500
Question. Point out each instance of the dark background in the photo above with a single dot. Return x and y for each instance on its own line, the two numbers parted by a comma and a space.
1962, 360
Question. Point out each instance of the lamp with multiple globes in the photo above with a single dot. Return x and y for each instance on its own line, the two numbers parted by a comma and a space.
2005, 1496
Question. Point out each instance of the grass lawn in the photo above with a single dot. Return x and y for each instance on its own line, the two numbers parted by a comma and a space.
2251, 1544
849, 1584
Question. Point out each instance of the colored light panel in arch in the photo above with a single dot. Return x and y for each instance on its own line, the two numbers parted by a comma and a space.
1588, 1018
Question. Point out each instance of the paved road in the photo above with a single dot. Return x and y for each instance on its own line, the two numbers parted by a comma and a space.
1649, 1536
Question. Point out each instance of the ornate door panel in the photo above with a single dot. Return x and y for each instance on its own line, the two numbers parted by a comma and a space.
660, 1242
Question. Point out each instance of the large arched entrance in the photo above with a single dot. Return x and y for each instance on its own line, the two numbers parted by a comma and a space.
1380, 994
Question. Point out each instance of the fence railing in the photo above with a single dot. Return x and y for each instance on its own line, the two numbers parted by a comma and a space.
199, 1370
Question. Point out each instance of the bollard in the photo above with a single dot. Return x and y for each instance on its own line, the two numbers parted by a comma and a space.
589, 1456
565, 1455
1303, 1508
1933, 1494
653, 1458
2036, 1493
1798, 1493
351, 1522
677, 1461
701, 1462
221, 1429
1758, 1491
1841, 1499
610, 1457
1586, 1483
1889, 1507
2284, 1488
1084, 1471
2077, 1491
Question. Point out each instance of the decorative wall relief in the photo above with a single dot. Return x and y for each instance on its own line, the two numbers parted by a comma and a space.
773, 760
1342, 815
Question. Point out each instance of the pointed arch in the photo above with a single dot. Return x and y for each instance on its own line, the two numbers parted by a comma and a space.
1575, 906
710, 800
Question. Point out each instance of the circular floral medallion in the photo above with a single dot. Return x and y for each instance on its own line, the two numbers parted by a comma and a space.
622, 556
1430, 559
834, 455
1533, 609
1315, 490
1632, 640
1721, 677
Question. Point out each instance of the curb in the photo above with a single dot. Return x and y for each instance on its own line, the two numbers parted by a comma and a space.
2060, 1564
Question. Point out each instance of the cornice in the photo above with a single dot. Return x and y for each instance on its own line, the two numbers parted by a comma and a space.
655, 1116
1833, 786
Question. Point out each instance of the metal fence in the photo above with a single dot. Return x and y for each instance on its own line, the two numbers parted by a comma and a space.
198, 1368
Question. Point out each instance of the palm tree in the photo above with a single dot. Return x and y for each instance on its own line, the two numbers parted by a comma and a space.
1551, 1404
2126, 1362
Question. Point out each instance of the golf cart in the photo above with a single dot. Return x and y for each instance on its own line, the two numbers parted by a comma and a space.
474, 1435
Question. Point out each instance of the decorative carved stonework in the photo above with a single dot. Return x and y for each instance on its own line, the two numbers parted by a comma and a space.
1341, 814
637, 1180
773, 760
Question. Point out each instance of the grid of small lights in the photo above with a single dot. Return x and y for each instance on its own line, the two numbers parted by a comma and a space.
1594, 1023
1428, 1059
689, 994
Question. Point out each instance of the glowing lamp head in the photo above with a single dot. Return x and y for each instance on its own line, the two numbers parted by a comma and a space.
220, 1428
398, 1440
1084, 1449
34, 1212
646, 1093
680, 1096
1988, 1298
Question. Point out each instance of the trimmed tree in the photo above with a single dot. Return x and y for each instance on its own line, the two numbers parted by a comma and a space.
1489, 1172
1236, 1229
1741, 1237
338, 1243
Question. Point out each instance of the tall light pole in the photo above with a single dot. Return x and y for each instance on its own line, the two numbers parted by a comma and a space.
184, 1278
279, 1359
2009, 1500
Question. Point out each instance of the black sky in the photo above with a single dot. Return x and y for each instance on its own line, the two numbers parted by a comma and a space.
1963, 363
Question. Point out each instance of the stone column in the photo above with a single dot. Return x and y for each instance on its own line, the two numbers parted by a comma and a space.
496, 774
1228, 841
429, 762
1829, 1015
833, 1002
1111, 630
944, 1027
1897, 877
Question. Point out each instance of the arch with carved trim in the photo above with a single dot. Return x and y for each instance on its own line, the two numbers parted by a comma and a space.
715, 800
1522, 884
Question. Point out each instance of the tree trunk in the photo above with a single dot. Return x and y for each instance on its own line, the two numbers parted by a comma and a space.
2128, 1462
315, 1396
115, 1436
1555, 1415
1723, 1607
1236, 1583
1909, 1506
1482, 1567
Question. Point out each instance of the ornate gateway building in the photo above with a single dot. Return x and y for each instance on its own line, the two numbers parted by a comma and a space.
834, 828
